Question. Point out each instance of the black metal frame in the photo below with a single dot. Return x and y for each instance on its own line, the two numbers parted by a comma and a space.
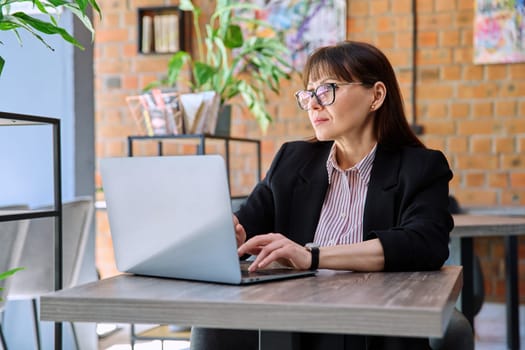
511, 286
20, 120
201, 147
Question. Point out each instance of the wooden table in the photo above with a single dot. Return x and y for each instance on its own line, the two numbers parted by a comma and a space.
414, 304
466, 228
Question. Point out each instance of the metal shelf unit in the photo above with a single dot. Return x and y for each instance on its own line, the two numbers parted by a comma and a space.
12, 120
201, 145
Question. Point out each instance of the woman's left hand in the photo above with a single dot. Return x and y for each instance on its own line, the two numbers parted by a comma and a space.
274, 247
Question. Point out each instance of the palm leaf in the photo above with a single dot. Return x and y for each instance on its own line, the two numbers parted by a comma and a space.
11, 272
46, 27
8, 273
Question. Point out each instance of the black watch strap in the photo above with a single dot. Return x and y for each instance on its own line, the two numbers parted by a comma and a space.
314, 250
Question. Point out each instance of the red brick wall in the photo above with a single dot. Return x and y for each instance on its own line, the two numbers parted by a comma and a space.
470, 112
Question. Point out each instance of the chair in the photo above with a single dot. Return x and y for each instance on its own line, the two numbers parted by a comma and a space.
37, 255
459, 334
12, 236
237, 202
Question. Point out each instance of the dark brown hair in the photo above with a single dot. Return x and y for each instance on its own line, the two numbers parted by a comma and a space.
357, 61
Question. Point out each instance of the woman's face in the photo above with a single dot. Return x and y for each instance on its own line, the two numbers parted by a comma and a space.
349, 116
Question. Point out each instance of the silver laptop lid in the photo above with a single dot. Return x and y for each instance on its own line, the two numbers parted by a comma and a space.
170, 216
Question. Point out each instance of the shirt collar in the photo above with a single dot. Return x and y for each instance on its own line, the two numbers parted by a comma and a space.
363, 167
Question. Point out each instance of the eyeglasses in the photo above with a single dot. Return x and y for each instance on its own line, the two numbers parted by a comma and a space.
324, 94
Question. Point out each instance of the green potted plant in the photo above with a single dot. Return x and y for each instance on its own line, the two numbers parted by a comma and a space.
229, 63
12, 19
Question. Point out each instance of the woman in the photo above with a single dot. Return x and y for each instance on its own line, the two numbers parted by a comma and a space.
366, 193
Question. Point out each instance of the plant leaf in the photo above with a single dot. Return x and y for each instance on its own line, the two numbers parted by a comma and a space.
94, 4
152, 85
5, 25
40, 6
58, 3
186, 5
8, 273
82, 4
80, 14
2, 62
203, 73
175, 65
11, 272
46, 28
21, 24
255, 100
233, 37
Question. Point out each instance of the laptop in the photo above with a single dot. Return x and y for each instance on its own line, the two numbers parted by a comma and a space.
171, 216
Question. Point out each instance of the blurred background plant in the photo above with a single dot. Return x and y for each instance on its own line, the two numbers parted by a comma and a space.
14, 18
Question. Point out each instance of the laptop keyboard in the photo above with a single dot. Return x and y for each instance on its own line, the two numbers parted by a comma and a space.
263, 272
245, 273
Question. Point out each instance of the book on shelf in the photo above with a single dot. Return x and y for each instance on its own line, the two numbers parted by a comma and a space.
160, 33
173, 32
147, 37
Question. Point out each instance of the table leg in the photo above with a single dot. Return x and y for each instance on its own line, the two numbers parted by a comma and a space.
512, 292
58, 336
269, 340
467, 293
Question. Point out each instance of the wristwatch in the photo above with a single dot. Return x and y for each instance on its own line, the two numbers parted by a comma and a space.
314, 249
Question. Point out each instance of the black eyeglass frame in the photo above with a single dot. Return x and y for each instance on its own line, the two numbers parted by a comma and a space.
313, 93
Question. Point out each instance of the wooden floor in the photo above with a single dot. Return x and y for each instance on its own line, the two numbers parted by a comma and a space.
489, 323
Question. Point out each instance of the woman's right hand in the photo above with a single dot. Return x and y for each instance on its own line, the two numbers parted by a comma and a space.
240, 233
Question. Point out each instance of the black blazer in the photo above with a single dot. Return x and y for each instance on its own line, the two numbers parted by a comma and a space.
406, 205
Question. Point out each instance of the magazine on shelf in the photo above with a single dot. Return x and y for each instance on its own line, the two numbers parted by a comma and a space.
157, 113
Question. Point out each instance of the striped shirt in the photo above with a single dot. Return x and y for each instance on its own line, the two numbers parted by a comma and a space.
341, 220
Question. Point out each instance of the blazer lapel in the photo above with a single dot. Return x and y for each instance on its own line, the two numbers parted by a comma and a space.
380, 205
308, 195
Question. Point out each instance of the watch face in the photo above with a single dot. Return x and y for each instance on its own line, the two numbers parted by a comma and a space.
311, 245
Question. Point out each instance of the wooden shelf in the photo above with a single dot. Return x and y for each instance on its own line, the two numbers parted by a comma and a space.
161, 30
